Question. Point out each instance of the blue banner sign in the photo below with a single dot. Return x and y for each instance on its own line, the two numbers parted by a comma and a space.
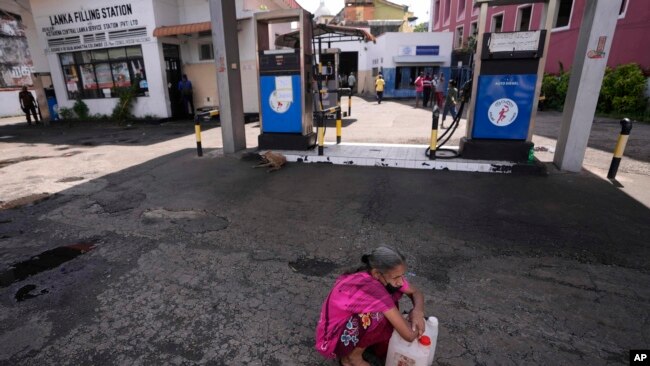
503, 106
427, 50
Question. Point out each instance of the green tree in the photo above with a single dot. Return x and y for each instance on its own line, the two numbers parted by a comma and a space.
422, 27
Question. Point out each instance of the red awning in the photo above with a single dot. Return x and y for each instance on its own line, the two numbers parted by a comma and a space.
190, 28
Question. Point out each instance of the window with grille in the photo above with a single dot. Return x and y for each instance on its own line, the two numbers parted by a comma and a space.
206, 52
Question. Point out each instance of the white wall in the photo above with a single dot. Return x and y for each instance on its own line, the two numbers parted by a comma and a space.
389, 45
10, 103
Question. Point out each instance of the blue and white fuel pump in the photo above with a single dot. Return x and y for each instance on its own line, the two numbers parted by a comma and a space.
506, 85
286, 115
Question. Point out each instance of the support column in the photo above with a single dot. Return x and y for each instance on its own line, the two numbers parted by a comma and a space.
594, 42
226, 54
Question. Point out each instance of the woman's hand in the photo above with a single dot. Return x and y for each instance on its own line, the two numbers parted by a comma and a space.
416, 318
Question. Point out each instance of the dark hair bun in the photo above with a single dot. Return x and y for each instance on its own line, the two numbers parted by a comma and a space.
365, 259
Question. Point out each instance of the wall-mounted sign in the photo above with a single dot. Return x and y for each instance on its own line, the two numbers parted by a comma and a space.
427, 50
109, 25
514, 41
406, 51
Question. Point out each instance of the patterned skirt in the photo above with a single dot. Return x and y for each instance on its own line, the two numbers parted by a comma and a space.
363, 331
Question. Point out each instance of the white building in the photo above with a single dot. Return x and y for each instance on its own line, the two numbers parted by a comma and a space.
90, 48
400, 57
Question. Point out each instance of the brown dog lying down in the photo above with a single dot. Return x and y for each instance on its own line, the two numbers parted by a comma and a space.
272, 159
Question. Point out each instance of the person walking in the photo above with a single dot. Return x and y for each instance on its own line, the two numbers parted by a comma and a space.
187, 95
427, 90
450, 102
28, 105
419, 89
352, 81
379, 88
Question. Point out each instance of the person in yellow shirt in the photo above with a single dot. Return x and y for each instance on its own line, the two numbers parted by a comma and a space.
379, 87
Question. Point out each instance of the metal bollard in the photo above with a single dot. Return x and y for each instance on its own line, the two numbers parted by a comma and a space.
197, 130
350, 103
626, 127
320, 123
338, 120
435, 116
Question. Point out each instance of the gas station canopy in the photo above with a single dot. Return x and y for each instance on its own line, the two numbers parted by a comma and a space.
326, 33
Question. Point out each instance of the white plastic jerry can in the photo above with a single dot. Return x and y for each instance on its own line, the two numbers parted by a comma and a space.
417, 353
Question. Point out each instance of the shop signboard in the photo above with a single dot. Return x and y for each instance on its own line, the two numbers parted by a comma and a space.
103, 26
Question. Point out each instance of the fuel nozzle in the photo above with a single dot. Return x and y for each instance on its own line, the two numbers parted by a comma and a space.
466, 90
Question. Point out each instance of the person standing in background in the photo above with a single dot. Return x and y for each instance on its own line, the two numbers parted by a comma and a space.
440, 85
427, 90
187, 95
419, 89
352, 81
28, 105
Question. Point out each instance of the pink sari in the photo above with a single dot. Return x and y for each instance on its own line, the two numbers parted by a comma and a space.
352, 315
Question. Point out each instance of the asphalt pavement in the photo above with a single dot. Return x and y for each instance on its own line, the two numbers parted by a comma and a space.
121, 246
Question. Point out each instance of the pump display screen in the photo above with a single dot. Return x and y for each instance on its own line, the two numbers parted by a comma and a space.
503, 106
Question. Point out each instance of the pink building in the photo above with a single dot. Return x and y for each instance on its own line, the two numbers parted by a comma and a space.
629, 44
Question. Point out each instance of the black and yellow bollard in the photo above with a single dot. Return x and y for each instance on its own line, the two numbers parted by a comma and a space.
434, 132
626, 127
320, 123
197, 130
350, 103
338, 120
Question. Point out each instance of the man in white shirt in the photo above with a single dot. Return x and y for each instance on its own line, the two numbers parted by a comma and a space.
352, 81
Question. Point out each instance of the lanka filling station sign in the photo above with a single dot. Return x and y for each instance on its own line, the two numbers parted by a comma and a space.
111, 25
503, 106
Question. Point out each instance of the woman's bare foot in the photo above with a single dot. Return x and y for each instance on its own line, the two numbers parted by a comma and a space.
355, 358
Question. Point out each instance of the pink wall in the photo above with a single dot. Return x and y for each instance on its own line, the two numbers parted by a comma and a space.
629, 38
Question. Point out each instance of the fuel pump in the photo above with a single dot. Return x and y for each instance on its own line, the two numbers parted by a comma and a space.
506, 83
284, 89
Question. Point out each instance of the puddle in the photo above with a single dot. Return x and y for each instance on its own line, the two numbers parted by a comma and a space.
7, 162
32, 199
62, 148
25, 293
45, 261
6, 137
312, 266
70, 179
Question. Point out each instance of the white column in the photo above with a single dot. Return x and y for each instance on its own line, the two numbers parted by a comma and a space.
226, 55
592, 51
